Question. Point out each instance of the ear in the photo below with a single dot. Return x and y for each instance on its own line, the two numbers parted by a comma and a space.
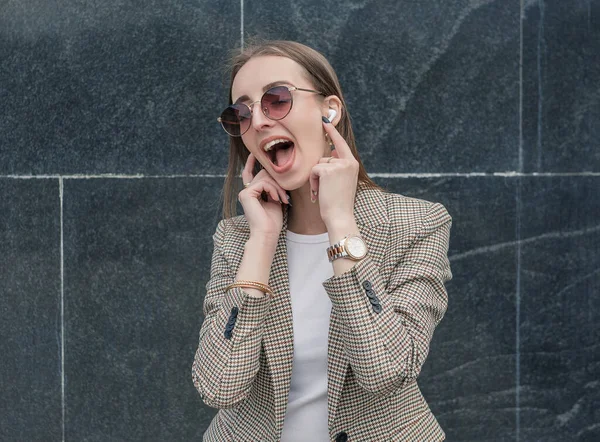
332, 102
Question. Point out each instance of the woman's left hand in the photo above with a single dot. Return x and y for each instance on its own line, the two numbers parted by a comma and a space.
334, 180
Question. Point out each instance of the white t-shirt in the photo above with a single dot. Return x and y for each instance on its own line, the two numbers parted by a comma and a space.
308, 267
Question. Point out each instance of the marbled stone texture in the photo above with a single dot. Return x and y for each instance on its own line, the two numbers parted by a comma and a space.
114, 87
561, 86
560, 309
30, 316
137, 256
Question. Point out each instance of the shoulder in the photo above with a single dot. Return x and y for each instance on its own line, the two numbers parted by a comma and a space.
236, 226
407, 214
402, 207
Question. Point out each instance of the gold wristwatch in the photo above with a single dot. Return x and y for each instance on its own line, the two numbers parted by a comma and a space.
351, 246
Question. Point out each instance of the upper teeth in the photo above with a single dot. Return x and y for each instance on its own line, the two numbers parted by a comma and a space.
270, 144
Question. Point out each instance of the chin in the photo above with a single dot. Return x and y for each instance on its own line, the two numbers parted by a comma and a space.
292, 182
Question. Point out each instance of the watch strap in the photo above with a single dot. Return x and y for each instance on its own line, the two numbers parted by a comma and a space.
339, 249
336, 251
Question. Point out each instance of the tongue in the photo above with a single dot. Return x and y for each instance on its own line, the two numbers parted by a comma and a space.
282, 156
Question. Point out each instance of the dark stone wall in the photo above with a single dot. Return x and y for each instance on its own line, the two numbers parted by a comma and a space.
111, 165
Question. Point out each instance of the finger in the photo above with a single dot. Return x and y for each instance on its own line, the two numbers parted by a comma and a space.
334, 153
256, 189
282, 194
342, 150
264, 175
272, 192
327, 160
314, 178
247, 175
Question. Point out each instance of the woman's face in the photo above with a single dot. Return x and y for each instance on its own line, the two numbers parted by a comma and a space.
288, 163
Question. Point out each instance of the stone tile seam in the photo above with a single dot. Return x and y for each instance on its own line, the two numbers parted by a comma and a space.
541, 47
508, 174
241, 25
62, 307
518, 203
518, 255
522, 16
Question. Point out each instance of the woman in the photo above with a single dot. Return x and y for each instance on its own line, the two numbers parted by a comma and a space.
323, 297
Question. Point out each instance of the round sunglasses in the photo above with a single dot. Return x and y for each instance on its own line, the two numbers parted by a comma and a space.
275, 103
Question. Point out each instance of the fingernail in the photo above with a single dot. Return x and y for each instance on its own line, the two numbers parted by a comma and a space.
325, 120
313, 200
314, 192
289, 201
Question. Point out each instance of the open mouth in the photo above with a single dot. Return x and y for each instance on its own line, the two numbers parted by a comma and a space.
280, 153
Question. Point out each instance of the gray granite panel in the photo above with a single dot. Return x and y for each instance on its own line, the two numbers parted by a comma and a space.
469, 378
113, 86
431, 87
561, 96
30, 311
137, 258
560, 309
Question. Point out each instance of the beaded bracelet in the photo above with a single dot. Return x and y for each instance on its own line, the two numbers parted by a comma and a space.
254, 285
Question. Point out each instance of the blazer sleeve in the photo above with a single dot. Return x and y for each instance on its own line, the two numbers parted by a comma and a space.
227, 358
386, 349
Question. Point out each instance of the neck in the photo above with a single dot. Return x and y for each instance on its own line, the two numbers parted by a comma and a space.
304, 217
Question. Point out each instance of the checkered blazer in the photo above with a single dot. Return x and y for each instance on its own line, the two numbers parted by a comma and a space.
243, 364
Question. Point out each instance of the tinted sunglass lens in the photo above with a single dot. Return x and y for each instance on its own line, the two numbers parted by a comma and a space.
236, 119
276, 102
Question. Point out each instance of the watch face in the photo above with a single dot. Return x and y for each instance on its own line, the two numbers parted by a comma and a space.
356, 247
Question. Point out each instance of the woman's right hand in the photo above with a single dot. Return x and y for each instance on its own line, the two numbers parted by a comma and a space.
264, 217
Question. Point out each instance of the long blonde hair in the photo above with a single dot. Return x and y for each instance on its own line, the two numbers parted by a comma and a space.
323, 78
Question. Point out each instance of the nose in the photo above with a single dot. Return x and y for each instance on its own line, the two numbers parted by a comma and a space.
259, 119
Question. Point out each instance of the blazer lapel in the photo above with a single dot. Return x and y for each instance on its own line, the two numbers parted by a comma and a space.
278, 338
371, 218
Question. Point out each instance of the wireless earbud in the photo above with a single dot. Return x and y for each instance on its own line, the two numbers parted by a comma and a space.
331, 115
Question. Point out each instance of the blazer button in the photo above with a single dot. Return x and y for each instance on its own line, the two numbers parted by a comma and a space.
377, 308
233, 315
367, 285
341, 437
374, 301
370, 294
231, 322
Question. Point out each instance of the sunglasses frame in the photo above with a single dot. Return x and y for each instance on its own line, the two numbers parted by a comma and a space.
251, 106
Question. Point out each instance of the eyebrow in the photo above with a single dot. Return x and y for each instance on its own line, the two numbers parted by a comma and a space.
266, 87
